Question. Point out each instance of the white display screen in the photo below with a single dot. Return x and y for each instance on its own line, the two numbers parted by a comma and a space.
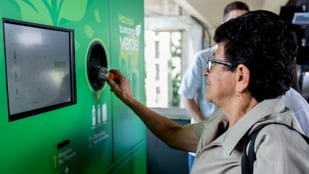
39, 68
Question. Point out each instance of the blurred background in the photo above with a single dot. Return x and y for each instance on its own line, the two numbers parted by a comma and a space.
176, 29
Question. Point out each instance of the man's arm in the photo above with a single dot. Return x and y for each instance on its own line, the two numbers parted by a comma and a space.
173, 134
193, 109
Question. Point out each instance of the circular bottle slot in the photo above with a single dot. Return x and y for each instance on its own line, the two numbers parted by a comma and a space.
97, 66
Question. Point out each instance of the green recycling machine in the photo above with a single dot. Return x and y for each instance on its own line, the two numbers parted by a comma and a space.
57, 114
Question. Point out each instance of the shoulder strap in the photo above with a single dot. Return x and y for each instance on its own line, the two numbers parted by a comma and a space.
247, 160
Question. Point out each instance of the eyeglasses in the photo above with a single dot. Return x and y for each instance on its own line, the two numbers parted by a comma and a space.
211, 62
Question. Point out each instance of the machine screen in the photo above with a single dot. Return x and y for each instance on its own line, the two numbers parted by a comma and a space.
40, 69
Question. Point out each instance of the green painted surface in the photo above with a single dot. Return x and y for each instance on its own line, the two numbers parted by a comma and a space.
127, 55
29, 145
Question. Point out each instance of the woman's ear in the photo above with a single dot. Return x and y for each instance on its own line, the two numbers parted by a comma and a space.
242, 78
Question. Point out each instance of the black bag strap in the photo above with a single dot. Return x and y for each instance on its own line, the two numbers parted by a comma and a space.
247, 160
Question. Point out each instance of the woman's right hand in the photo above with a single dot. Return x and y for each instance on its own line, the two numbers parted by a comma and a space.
120, 85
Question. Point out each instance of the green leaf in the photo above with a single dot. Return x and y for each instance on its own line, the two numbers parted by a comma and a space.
72, 10
34, 10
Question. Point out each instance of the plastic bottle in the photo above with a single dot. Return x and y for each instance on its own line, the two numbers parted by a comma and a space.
104, 116
93, 116
99, 114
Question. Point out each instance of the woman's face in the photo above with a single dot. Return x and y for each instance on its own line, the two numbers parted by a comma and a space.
220, 84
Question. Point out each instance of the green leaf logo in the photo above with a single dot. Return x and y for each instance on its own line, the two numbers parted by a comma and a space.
53, 11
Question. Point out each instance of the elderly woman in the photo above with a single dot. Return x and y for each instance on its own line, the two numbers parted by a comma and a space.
247, 80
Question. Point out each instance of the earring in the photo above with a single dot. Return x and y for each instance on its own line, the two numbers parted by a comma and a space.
237, 94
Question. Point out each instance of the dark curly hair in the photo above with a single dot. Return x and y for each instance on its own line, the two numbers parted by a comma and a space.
262, 42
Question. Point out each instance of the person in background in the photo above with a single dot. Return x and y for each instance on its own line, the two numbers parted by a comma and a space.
192, 88
297, 103
252, 69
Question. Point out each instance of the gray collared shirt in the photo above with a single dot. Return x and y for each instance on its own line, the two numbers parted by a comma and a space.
278, 149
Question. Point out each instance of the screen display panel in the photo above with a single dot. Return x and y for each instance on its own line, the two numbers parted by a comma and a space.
40, 68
